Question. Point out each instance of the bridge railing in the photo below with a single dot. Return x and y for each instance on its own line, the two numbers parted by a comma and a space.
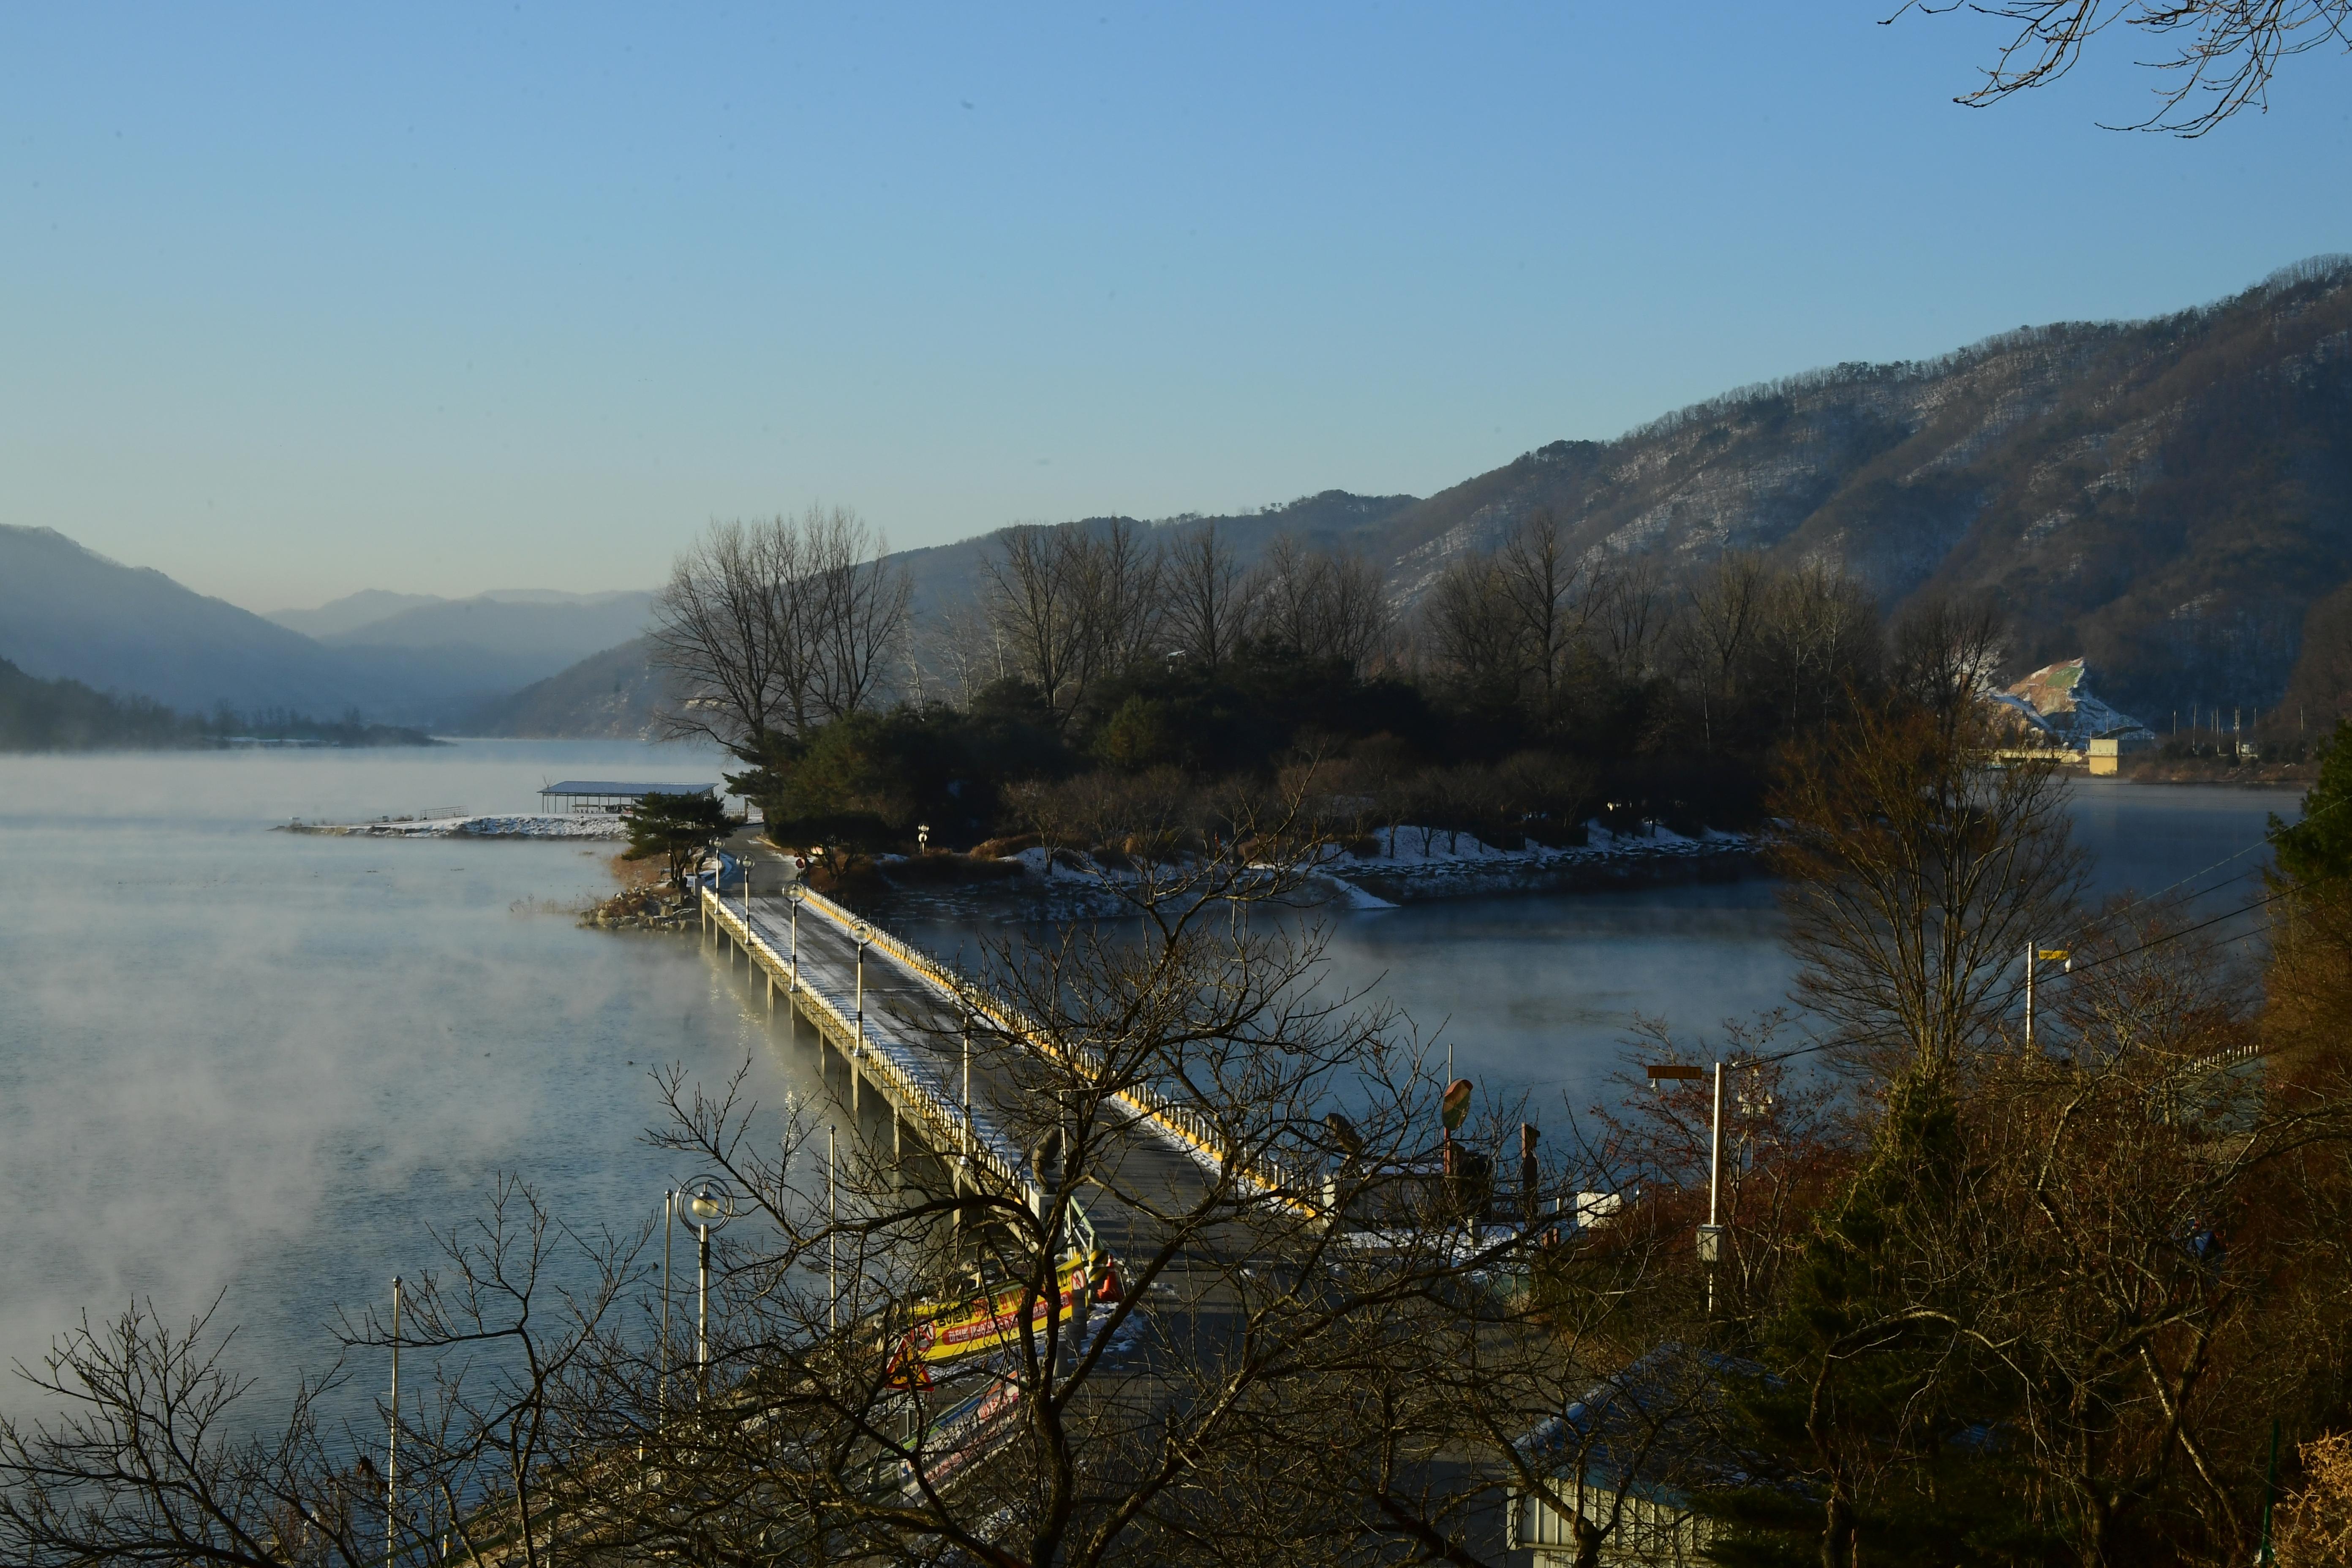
1195, 1133
947, 1125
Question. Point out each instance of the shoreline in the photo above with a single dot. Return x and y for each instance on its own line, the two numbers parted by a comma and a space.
593, 829
1036, 884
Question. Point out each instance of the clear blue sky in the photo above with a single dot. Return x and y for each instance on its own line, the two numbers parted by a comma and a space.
299, 301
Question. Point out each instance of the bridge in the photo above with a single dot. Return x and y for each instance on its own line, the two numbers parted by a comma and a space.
902, 1025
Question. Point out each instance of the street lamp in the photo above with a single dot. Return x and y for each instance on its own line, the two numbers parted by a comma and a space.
861, 934
669, 1218
711, 1207
1711, 1234
923, 838
795, 894
2033, 951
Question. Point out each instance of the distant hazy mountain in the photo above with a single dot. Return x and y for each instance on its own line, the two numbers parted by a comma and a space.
351, 611
68, 612
613, 693
534, 633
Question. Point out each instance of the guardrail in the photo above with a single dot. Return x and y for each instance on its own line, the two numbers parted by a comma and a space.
1192, 1132
947, 1126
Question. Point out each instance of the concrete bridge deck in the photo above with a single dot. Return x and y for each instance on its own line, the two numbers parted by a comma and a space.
910, 1052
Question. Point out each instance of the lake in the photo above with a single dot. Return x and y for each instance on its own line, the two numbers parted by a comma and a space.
260, 1063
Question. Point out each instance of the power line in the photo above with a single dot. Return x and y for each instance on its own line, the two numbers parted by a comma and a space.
2016, 991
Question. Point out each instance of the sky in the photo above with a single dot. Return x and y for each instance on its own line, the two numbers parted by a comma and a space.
296, 302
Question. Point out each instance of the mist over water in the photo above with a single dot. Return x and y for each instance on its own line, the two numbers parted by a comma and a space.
265, 1062
236, 1060
1538, 994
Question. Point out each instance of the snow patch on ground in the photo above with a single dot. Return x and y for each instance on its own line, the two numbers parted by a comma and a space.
527, 827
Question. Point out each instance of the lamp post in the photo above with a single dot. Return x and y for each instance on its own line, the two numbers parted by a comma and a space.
711, 1206
669, 1218
1711, 1234
861, 934
2046, 955
795, 894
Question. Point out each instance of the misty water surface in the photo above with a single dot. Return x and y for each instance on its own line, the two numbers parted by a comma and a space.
237, 1060
1537, 995
243, 1059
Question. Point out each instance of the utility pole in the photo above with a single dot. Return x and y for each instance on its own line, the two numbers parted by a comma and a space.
392, 1441
831, 1239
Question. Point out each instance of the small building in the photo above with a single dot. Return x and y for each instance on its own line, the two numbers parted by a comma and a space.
594, 797
2054, 706
2107, 751
1618, 1467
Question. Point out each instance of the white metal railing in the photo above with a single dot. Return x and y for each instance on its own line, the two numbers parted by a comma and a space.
1195, 1134
949, 1126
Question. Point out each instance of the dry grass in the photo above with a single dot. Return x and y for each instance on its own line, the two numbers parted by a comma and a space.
2314, 1526
635, 875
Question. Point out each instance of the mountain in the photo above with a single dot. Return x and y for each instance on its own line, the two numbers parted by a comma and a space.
351, 611
528, 635
612, 693
948, 576
2168, 498
68, 612
2171, 499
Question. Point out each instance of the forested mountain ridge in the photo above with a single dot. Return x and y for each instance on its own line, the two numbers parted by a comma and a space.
2167, 496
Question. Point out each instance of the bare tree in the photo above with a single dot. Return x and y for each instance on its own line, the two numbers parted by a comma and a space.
1632, 618
147, 1460
720, 632
1552, 597
1208, 604
1319, 606
965, 651
1915, 880
1946, 653
1818, 642
1074, 604
2225, 52
769, 630
1472, 627
852, 607
1721, 611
